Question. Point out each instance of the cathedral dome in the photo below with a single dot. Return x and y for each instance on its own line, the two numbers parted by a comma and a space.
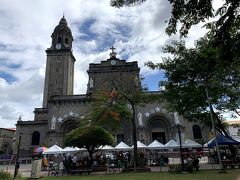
62, 36
62, 26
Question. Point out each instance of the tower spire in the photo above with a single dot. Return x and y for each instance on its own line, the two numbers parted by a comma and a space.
59, 77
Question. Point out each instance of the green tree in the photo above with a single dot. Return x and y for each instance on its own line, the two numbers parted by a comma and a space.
189, 72
120, 3
110, 107
134, 95
223, 23
89, 137
213, 64
130, 95
192, 12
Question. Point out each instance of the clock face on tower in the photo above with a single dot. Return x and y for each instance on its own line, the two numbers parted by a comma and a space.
113, 62
58, 46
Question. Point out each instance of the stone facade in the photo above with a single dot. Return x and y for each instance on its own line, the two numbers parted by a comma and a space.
6, 140
60, 63
234, 129
62, 110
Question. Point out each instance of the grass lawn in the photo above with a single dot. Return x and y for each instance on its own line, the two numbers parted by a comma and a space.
201, 175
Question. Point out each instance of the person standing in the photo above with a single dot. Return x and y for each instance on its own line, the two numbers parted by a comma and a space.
44, 163
74, 161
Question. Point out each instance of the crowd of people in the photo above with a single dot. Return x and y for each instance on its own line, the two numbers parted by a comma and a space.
64, 162
71, 162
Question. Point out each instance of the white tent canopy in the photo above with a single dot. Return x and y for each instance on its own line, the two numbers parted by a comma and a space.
156, 145
191, 143
107, 147
237, 138
70, 150
54, 150
76, 148
140, 145
172, 144
206, 144
83, 149
122, 146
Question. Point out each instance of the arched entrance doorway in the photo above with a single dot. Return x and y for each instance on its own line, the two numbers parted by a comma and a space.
67, 126
123, 133
6, 148
160, 129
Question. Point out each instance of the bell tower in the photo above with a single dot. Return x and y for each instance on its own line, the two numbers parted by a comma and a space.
59, 75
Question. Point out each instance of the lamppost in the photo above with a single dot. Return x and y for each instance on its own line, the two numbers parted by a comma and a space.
17, 155
179, 129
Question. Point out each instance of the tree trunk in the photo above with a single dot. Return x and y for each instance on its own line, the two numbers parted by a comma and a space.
219, 123
223, 130
134, 139
90, 152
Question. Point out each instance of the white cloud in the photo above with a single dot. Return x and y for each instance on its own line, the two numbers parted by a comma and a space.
26, 27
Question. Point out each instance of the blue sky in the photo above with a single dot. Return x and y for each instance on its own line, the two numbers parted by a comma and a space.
137, 33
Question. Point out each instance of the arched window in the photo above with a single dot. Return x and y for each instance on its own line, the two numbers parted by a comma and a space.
35, 138
197, 134
66, 40
59, 39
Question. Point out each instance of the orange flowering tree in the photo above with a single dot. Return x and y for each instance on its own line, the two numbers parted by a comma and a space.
116, 102
108, 109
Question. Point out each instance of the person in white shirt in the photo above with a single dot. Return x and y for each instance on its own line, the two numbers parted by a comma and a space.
74, 161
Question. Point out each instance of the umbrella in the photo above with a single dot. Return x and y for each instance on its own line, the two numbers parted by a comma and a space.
40, 149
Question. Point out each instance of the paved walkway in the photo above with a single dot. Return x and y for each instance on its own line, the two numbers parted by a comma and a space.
25, 169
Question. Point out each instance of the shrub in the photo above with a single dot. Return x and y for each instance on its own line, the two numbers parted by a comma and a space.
5, 175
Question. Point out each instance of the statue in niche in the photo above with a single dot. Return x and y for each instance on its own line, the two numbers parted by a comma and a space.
140, 122
176, 119
91, 83
136, 81
53, 122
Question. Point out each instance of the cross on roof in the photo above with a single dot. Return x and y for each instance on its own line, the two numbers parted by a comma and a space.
112, 48
113, 53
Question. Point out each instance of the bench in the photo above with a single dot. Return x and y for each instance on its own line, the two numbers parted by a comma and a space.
231, 166
81, 171
227, 163
138, 169
178, 168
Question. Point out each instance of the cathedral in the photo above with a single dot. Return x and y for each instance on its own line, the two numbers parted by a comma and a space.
61, 109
